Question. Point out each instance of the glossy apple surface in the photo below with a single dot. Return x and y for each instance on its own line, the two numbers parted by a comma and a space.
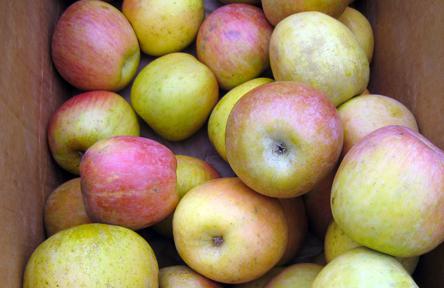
183, 277
298, 275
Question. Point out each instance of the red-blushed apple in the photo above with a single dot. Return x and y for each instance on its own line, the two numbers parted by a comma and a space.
299, 275
183, 277
261, 281
190, 172
85, 119
318, 50
129, 181
64, 208
93, 255
94, 47
233, 41
229, 233
366, 113
388, 193
282, 138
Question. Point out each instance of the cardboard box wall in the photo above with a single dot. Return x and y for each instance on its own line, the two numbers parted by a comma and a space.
408, 65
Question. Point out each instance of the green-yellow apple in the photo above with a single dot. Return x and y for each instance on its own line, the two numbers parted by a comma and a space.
174, 94
164, 26
388, 193
318, 50
298, 275
85, 119
366, 113
64, 208
361, 28
363, 268
94, 46
233, 41
282, 138
190, 172
276, 10
93, 255
129, 181
241, 1
183, 277
229, 233
219, 116
261, 281
337, 243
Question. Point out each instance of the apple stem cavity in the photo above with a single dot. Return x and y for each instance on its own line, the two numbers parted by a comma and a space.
218, 241
280, 148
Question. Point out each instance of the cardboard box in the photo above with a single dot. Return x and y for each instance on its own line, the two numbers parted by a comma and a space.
408, 65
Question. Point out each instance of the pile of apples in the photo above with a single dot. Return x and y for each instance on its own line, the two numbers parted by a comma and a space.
310, 148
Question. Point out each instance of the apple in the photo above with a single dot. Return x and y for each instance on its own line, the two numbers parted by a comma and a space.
164, 26
337, 243
282, 138
318, 50
241, 1
219, 116
299, 275
364, 114
276, 10
261, 281
129, 181
93, 255
64, 208
388, 193
233, 41
363, 268
94, 47
175, 94
190, 172
184, 277
229, 233
366, 92
361, 28
85, 119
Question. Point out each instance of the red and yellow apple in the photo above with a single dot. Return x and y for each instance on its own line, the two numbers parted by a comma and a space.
183, 277
299, 275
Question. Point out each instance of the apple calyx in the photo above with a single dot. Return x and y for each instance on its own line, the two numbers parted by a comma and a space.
218, 241
280, 148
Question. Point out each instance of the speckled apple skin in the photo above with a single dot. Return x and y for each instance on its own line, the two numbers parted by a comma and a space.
388, 193
183, 277
299, 275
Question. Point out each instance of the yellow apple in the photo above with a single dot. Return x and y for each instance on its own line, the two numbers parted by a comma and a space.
183, 277
261, 281
298, 275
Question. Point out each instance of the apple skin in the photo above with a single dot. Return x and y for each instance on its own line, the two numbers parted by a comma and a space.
129, 181
94, 47
64, 208
299, 275
85, 119
276, 10
175, 94
255, 2
93, 255
164, 27
262, 281
318, 50
337, 243
221, 227
191, 172
363, 268
219, 116
233, 41
184, 277
366, 113
400, 174
361, 28
271, 133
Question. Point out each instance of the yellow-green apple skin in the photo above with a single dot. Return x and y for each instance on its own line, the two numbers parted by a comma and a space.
363, 268
94, 47
318, 50
92, 255
261, 281
229, 233
388, 193
277, 10
217, 122
337, 243
361, 28
164, 26
183, 277
298, 275
282, 138
85, 119
366, 113
175, 94
190, 173
64, 208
